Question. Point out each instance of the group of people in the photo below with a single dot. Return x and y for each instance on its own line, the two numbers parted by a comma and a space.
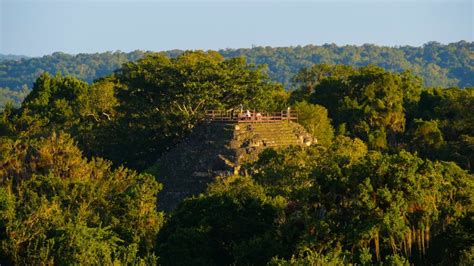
247, 115
251, 115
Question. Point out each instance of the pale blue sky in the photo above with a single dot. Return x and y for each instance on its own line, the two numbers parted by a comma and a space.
39, 27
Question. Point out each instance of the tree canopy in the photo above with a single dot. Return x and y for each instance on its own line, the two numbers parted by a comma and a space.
57, 207
389, 180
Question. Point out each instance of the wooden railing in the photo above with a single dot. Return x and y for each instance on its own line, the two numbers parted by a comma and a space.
252, 117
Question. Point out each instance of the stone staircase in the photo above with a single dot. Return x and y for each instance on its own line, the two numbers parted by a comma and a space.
270, 134
252, 138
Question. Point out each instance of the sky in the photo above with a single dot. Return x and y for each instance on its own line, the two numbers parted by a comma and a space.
40, 27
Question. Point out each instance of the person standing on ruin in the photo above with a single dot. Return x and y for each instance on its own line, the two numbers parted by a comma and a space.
248, 115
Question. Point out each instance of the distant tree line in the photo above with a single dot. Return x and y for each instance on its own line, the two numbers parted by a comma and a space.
438, 65
4, 57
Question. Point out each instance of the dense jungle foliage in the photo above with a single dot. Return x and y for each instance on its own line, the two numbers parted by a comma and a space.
390, 180
439, 65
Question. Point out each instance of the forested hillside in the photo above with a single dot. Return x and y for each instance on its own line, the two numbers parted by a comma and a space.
390, 180
16, 73
439, 65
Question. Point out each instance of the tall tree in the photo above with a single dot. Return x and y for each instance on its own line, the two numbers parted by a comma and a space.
161, 99
368, 101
